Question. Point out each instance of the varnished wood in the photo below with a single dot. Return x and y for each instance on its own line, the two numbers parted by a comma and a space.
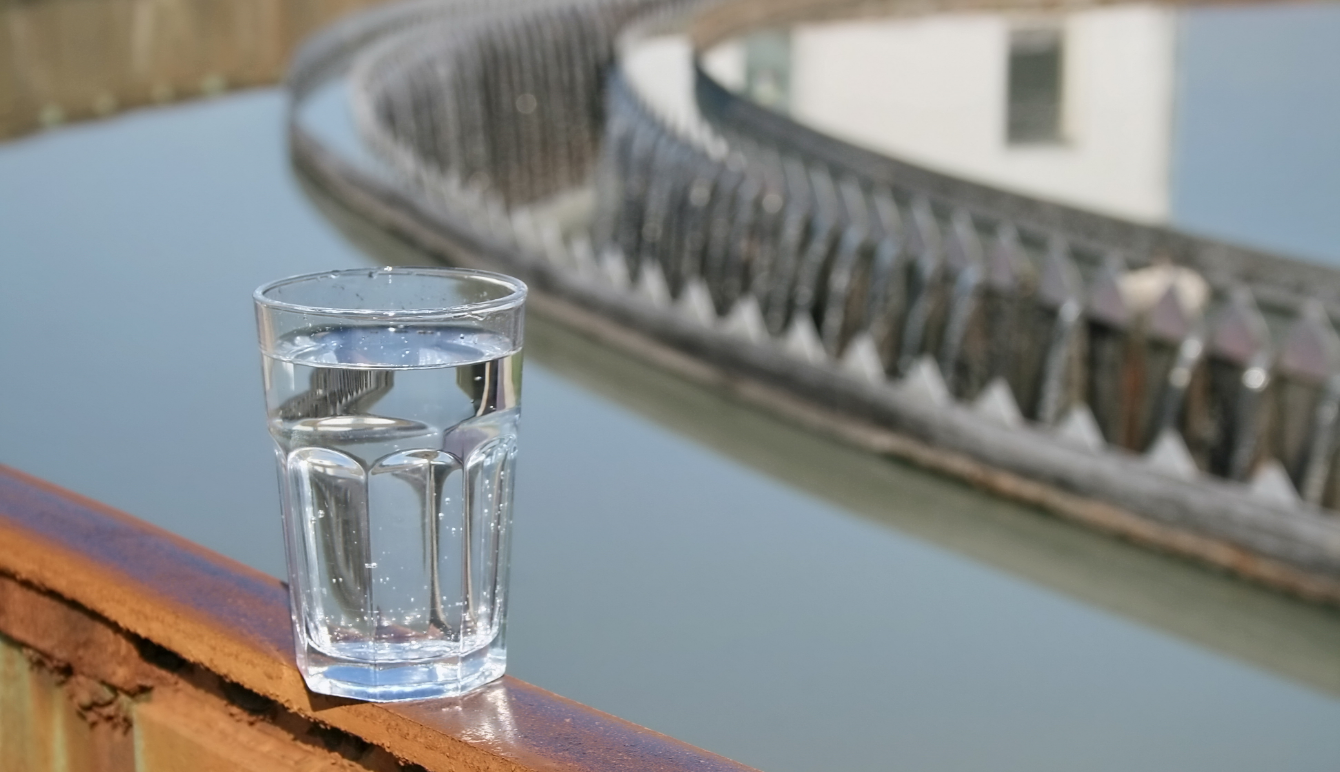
231, 622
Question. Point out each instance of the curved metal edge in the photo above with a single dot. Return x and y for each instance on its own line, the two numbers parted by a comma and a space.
1302, 548
1279, 283
1294, 550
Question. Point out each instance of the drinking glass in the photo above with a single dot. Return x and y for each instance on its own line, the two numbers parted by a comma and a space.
393, 401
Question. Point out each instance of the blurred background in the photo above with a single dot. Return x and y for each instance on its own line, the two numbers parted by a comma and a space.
685, 559
1218, 120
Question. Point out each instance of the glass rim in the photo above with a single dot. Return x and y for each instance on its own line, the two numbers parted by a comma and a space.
515, 296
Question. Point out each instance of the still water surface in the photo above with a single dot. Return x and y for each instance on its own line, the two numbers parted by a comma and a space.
680, 560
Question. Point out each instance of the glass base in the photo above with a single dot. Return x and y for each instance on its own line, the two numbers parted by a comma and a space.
423, 679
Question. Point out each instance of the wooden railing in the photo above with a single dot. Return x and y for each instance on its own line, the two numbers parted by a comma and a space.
124, 647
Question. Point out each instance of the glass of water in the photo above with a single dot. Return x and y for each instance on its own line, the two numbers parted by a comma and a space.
393, 400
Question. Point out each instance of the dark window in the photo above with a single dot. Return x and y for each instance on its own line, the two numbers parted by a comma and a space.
1033, 100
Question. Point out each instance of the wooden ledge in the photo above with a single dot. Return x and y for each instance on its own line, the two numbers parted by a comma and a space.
78, 577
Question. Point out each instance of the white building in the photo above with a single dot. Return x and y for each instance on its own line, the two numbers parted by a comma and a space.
1075, 107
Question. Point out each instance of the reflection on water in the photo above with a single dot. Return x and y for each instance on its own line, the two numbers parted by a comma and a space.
1296, 640
1219, 120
